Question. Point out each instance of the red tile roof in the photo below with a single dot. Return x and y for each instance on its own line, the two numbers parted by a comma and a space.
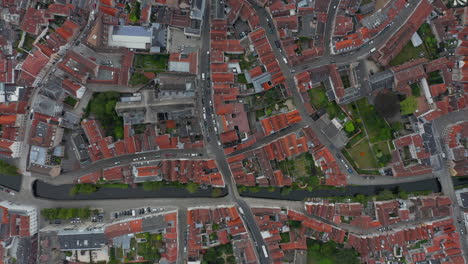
92, 130
112, 174
119, 229
33, 20
68, 30
34, 63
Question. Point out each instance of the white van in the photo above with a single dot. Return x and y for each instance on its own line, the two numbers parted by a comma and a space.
203, 76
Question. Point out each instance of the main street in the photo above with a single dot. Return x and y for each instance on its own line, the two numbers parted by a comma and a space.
440, 126
212, 138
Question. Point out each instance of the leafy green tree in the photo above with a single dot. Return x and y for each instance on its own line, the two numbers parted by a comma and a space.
409, 105
403, 194
347, 256
294, 224
241, 188
397, 126
325, 261
386, 104
385, 195
361, 198
286, 190
192, 187
255, 189
8, 169
328, 248
231, 260
349, 127
216, 192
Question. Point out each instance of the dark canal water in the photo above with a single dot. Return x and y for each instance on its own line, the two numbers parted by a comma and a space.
299, 195
460, 180
11, 182
61, 192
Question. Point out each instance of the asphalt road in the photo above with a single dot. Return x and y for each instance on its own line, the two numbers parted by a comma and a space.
439, 125
362, 52
213, 146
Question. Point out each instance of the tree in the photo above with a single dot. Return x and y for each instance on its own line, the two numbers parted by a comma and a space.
347, 256
386, 104
328, 248
409, 105
285, 190
8, 169
231, 259
361, 198
241, 188
385, 195
349, 127
216, 192
403, 194
191, 187
254, 189
397, 126
294, 223
271, 189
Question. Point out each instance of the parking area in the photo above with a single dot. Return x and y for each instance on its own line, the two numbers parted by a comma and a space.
137, 212
177, 41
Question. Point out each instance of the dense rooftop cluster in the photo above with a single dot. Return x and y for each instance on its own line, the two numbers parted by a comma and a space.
281, 95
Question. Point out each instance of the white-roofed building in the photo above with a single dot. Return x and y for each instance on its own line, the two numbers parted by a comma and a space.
132, 37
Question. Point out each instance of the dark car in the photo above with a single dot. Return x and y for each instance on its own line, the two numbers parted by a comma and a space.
278, 44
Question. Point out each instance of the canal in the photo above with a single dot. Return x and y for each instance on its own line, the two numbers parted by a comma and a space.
62, 192
348, 191
11, 182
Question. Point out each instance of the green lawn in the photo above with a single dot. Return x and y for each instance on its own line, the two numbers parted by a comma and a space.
138, 78
408, 53
154, 62
362, 155
302, 168
427, 50
319, 99
383, 146
149, 249
27, 44
285, 237
435, 78
70, 101
330, 253
299, 166
7, 169
241, 78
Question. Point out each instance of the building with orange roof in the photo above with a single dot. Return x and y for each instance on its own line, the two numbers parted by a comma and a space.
75, 89
60, 9
146, 173
33, 20
32, 66
182, 62
68, 30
